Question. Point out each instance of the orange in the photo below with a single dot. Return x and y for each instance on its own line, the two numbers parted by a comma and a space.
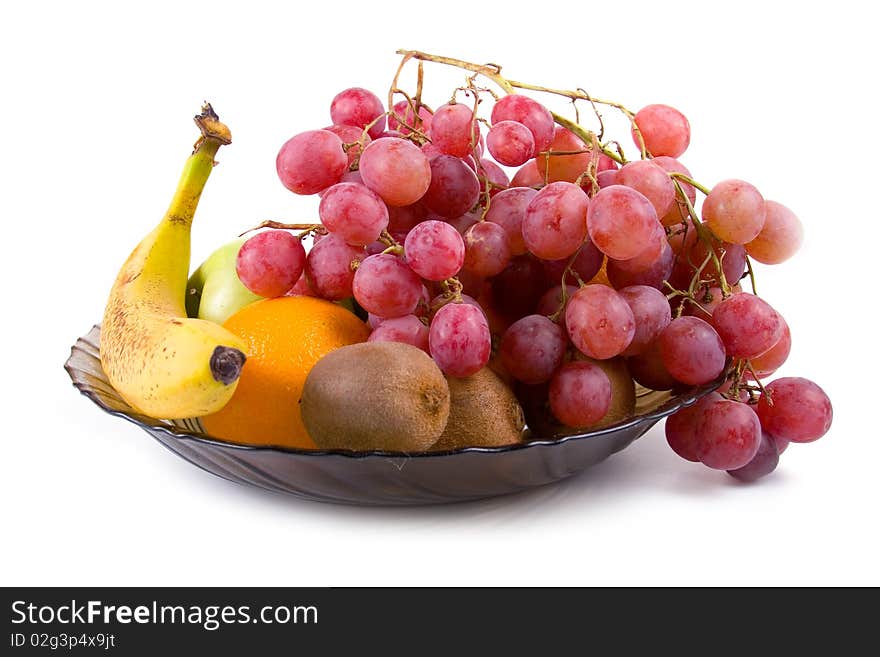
284, 338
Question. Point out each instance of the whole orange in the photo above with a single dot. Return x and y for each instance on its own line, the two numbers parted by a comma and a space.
284, 338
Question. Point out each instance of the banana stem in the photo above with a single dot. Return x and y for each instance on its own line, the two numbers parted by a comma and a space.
198, 167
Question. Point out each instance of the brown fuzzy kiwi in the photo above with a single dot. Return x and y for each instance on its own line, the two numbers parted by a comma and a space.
484, 413
369, 396
541, 422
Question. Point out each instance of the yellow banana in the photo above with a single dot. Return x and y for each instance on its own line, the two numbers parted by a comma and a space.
162, 363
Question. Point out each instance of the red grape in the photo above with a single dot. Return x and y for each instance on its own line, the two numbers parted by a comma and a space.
408, 329
385, 286
301, 288
652, 181
454, 188
528, 175
772, 359
780, 238
580, 394
487, 252
625, 273
494, 175
763, 462
462, 223
565, 168
691, 351
453, 129
651, 313
551, 302
600, 323
728, 434
530, 113
354, 213
507, 209
586, 264
664, 129
516, 290
358, 107
459, 339
734, 211
434, 250
555, 223
350, 134
621, 221
404, 110
648, 369
681, 428
532, 349
511, 143
396, 170
801, 411
311, 161
269, 264
747, 324
328, 267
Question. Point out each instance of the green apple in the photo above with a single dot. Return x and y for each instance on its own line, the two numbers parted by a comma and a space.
214, 291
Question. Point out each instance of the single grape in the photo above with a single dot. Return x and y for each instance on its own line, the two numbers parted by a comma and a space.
648, 369
462, 223
801, 411
555, 222
564, 168
681, 428
695, 251
385, 286
453, 129
763, 462
403, 219
580, 394
528, 176
404, 110
507, 209
708, 300
353, 212
329, 267
358, 107
511, 143
532, 348
691, 351
651, 313
747, 324
270, 263
459, 339
454, 188
664, 129
728, 434
516, 290
349, 177
551, 302
311, 161
493, 176
621, 221
626, 273
586, 265
600, 323
487, 252
396, 170
772, 359
780, 238
408, 329
350, 134
434, 250
652, 181
734, 211
528, 112
301, 288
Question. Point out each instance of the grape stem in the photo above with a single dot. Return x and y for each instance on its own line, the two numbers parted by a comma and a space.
751, 275
269, 223
704, 234
690, 181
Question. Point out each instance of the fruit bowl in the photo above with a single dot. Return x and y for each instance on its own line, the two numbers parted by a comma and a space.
380, 478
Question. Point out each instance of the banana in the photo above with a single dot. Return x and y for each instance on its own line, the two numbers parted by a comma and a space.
162, 363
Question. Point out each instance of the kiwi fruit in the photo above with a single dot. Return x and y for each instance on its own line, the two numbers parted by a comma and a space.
385, 396
484, 412
540, 419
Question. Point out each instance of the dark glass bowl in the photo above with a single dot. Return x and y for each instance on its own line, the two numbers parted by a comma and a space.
379, 478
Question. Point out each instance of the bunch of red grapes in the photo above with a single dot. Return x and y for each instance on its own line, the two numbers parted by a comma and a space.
582, 252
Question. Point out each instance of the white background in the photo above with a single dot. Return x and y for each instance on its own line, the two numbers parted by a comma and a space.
95, 125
